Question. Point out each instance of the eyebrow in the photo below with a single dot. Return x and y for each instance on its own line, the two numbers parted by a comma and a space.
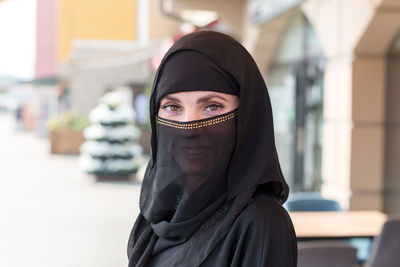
171, 99
206, 98
200, 100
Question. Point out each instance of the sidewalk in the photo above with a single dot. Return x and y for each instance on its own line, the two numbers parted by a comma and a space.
52, 215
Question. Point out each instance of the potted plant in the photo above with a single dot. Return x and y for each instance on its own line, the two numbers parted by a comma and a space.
66, 133
111, 150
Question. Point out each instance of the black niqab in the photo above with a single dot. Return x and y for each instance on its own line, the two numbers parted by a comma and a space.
203, 174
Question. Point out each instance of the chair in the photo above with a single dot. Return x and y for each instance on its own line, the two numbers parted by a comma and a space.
386, 247
311, 201
326, 254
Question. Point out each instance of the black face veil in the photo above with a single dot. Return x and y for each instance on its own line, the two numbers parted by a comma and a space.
203, 173
192, 158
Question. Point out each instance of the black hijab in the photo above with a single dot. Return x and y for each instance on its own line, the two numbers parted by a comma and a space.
194, 198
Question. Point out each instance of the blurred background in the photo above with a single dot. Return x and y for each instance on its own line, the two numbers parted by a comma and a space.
75, 77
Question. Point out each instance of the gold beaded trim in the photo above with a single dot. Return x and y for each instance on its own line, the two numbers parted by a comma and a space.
199, 124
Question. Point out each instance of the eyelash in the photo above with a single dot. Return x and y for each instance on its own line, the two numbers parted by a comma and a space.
169, 105
166, 106
219, 106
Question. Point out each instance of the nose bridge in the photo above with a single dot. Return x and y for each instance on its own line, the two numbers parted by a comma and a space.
191, 113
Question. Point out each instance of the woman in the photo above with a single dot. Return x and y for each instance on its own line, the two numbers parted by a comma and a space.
213, 190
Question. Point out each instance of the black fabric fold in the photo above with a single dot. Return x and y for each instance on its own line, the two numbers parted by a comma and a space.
176, 233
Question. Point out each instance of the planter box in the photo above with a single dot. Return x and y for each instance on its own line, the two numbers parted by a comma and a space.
65, 141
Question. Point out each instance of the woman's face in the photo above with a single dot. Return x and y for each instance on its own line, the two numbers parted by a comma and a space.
196, 105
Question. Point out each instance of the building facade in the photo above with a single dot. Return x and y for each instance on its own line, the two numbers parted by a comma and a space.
104, 45
330, 66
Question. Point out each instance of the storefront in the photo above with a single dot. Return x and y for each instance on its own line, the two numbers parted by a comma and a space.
295, 83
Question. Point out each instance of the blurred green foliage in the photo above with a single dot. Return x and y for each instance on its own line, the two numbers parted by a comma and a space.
69, 121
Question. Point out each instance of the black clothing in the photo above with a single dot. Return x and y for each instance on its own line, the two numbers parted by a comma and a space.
262, 235
195, 73
198, 204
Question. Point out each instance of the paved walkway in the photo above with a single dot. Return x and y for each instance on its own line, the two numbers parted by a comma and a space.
51, 215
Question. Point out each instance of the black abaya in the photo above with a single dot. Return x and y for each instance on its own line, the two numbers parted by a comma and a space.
262, 235
224, 208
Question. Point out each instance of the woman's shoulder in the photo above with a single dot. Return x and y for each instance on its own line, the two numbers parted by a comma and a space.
262, 235
264, 210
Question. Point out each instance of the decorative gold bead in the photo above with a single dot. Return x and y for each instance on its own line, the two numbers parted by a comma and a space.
196, 125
